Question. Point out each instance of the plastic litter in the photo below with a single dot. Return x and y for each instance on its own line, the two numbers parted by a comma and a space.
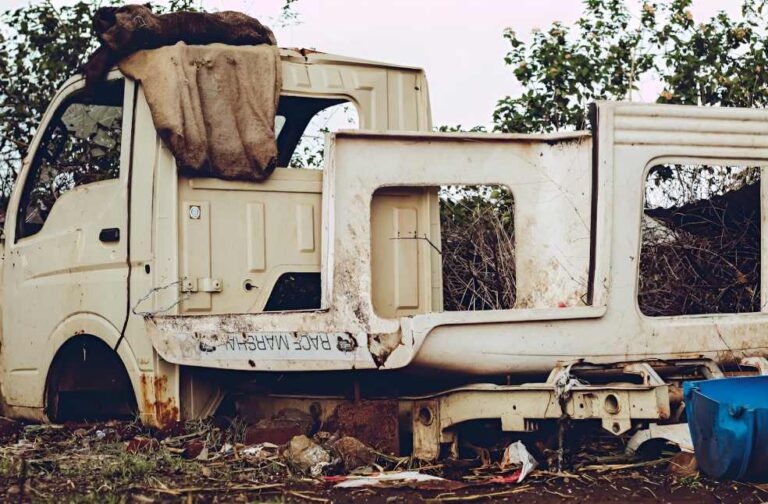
517, 454
383, 478
262, 450
307, 455
678, 434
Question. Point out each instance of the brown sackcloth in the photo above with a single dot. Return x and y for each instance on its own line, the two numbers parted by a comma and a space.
213, 105
129, 28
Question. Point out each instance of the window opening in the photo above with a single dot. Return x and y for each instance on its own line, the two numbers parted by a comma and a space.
301, 124
80, 146
700, 243
478, 247
295, 291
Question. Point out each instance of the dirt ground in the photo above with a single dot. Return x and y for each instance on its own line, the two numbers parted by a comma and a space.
205, 462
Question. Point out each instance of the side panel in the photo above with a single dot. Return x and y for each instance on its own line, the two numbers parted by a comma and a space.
246, 236
550, 178
632, 138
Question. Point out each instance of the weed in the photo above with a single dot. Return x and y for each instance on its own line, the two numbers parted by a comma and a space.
690, 482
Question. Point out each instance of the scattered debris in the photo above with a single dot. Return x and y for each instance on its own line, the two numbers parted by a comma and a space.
517, 454
194, 449
353, 453
307, 455
69, 463
374, 423
402, 478
684, 464
281, 428
263, 450
141, 444
677, 434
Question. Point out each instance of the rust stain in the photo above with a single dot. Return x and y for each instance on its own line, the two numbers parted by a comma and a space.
374, 422
153, 391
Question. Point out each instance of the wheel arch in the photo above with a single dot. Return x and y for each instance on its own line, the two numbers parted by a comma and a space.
98, 330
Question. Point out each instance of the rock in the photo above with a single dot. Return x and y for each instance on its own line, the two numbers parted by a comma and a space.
8, 427
375, 423
193, 449
280, 429
684, 464
142, 445
325, 438
172, 429
307, 455
353, 453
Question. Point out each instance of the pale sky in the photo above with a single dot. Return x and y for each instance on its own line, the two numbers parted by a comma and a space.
457, 42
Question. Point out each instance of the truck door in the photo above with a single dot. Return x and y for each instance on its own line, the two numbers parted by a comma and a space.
67, 233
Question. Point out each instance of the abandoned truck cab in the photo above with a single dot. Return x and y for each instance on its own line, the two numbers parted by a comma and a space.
130, 287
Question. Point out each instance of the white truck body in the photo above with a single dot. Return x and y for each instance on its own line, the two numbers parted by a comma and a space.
178, 285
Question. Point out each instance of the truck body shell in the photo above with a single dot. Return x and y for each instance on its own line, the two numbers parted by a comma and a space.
176, 275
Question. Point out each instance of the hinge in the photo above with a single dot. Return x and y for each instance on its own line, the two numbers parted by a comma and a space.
201, 285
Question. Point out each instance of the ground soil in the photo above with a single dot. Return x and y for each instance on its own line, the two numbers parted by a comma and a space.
204, 462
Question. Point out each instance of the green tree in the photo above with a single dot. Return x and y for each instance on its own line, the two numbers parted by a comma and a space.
41, 46
562, 70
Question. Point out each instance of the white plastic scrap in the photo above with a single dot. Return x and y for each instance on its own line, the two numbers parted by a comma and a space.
517, 454
262, 450
678, 434
378, 479
565, 382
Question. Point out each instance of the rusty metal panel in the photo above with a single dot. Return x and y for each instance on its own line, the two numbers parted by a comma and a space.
519, 407
374, 422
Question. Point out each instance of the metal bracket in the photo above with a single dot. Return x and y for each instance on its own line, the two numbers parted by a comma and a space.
201, 285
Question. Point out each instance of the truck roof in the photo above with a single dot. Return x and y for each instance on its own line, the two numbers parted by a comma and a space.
304, 55
313, 56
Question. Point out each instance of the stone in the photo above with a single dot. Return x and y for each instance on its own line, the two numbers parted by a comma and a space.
193, 449
373, 422
683, 464
353, 453
8, 427
307, 455
280, 429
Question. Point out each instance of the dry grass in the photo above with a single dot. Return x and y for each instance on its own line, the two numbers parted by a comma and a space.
478, 249
710, 266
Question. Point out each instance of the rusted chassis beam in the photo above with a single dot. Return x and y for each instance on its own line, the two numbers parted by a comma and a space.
519, 407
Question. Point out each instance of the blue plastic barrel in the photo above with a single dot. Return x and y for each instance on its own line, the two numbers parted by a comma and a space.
728, 419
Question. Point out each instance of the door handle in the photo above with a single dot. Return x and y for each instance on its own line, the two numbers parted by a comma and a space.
109, 235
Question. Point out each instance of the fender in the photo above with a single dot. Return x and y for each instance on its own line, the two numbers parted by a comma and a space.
26, 396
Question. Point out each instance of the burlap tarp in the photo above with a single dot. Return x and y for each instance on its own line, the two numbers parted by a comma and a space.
213, 105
